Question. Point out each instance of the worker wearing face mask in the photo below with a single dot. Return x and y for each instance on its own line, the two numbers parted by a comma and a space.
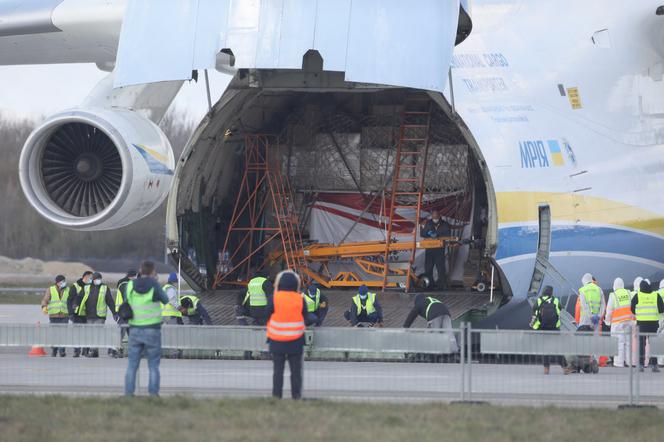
76, 294
364, 309
435, 228
97, 299
54, 304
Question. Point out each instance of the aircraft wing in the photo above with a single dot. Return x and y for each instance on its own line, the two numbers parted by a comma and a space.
372, 41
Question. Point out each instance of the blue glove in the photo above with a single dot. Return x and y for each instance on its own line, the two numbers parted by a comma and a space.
432, 234
594, 319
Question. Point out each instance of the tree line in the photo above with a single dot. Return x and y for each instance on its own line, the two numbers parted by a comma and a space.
23, 233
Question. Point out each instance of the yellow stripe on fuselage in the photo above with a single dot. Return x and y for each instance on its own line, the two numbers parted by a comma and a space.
522, 207
157, 156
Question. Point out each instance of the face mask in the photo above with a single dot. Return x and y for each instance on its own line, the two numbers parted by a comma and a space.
87, 281
436, 220
62, 284
363, 296
97, 281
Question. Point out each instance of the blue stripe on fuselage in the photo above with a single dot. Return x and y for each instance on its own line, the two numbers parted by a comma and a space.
522, 240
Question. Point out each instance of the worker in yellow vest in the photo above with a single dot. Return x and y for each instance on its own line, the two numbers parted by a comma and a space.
648, 306
593, 304
171, 310
76, 294
317, 306
97, 300
54, 303
623, 323
364, 309
251, 307
120, 298
192, 307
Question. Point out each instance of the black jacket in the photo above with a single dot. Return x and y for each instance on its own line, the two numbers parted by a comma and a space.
435, 230
660, 306
421, 303
121, 287
75, 297
201, 315
91, 303
242, 298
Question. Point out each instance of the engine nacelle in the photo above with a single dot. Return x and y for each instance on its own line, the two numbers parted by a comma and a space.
96, 168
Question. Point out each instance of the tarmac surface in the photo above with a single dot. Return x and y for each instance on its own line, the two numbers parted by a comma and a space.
365, 381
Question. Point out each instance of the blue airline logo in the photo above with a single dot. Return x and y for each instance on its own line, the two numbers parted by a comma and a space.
538, 153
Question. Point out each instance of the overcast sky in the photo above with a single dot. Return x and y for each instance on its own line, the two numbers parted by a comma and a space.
45, 89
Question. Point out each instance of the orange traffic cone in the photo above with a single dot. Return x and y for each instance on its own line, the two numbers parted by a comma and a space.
37, 350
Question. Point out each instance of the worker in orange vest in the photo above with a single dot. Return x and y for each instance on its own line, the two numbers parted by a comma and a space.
285, 332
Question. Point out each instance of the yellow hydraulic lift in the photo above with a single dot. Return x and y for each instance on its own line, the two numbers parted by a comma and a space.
366, 255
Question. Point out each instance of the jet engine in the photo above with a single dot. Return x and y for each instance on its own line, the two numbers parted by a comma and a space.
96, 168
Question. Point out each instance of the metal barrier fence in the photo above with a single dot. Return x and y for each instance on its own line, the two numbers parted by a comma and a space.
500, 366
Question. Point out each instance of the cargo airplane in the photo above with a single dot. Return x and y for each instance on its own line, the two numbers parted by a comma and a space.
558, 105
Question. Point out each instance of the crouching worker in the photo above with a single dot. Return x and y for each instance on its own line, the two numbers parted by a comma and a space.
251, 308
317, 306
581, 363
435, 313
193, 308
285, 332
364, 309
546, 317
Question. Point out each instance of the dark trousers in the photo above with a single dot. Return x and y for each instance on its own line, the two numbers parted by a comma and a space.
79, 320
257, 314
58, 321
548, 359
295, 365
646, 327
435, 257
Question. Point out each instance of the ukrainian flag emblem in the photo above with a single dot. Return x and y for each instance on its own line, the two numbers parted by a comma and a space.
556, 153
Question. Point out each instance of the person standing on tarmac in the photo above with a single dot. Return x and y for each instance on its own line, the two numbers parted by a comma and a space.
660, 331
647, 306
97, 299
546, 317
364, 308
54, 304
435, 228
192, 308
144, 296
435, 313
621, 319
253, 302
285, 332
76, 293
593, 304
120, 298
317, 306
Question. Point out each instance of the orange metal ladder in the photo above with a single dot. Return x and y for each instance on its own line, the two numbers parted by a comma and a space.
246, 223
287, 219
408, 182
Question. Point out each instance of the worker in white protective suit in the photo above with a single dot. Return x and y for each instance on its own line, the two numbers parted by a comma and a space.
623, 323
593, 304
